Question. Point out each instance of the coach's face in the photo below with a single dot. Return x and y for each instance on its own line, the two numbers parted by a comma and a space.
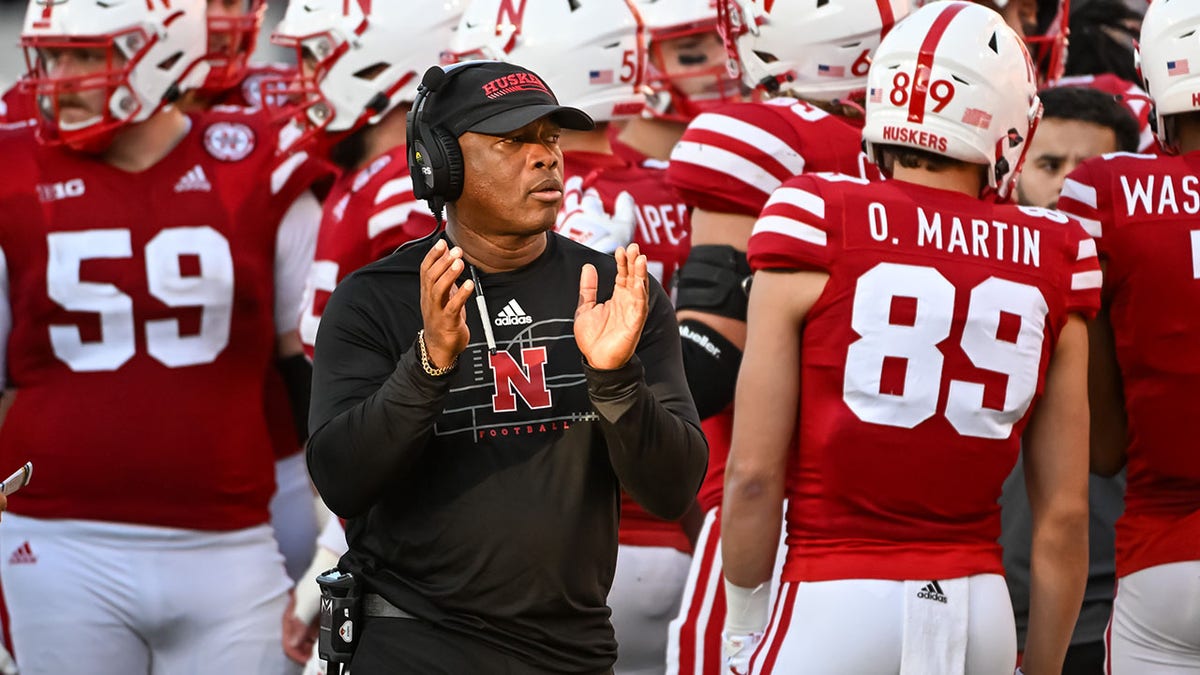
513, 183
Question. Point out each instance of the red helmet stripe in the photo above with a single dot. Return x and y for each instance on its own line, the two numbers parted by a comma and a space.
920, 86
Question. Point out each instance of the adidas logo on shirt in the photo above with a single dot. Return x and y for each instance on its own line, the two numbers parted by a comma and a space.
513, 315
23, 555
194, 181
932, 591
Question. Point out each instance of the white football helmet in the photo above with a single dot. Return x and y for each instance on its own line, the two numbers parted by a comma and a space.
154, 52
359, 59
955, 80
815, 50
231, 41
1169, 44
590, 52
676, 89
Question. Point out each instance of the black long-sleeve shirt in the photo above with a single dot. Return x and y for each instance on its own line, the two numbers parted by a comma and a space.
487, 501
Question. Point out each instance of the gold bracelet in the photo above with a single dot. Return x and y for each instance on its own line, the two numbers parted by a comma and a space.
426, 363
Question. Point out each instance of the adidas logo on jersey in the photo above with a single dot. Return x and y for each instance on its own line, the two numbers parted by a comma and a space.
932, 591
194, 181
513, 315
23, 555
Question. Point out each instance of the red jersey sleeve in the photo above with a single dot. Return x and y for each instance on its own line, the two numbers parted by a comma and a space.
731, 160
795, 230
397, 218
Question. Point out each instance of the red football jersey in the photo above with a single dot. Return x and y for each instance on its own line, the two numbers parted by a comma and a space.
1142, 210
730, 160
921, 360
17, 105
664, 221
143, 324
368, 215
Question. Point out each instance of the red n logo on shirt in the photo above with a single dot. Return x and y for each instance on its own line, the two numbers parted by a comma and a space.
527, 379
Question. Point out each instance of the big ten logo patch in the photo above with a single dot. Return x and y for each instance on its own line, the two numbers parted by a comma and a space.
526, 379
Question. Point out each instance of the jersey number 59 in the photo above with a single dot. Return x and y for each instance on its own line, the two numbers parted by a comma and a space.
211, 290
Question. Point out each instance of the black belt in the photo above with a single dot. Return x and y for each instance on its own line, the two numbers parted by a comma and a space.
376, 606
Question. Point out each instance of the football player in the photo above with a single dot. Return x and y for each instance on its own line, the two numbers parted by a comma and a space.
1078, 123
812, 59
1142, 211
906, 327
146, 253
348, 105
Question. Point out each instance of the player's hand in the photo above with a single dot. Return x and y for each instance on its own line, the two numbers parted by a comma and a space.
607, 333
736, 650
590, 225
443, 304
298, 637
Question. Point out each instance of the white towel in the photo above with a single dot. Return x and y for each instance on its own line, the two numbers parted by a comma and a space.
935, 627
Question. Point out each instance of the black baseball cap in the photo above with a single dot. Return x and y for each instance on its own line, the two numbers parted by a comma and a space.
493, 97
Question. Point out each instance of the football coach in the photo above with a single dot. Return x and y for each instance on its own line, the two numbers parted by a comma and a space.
481, 396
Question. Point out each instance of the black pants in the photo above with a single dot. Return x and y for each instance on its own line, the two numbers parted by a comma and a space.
414, 647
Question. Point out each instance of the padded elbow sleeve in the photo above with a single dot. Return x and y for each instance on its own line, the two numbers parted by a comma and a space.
711, 363
713, 280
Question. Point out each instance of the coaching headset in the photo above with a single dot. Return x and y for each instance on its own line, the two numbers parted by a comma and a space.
435, 158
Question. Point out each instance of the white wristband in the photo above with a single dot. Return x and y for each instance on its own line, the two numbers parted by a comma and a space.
308, 593
747, 610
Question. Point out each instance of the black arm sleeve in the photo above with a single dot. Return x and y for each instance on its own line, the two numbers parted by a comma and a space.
648, 418
711, 362
371, 416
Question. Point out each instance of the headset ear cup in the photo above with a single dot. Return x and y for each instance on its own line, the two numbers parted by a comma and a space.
449, 178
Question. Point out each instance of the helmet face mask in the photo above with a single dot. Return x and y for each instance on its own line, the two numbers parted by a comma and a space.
351, 72
687, 71
955, 80
93, 68
232, 37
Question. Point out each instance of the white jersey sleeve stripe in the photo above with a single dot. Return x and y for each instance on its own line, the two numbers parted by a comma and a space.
1090, 225
1087, 249
283, 172
1084, 194
728, 163
391, 217
1082, 281
791, 228
745, 132
801, 199
393, 188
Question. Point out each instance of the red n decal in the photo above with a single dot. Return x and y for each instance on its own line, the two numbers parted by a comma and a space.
510, 18
512, 378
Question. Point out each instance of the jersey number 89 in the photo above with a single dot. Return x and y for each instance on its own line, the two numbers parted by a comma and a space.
917, 345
